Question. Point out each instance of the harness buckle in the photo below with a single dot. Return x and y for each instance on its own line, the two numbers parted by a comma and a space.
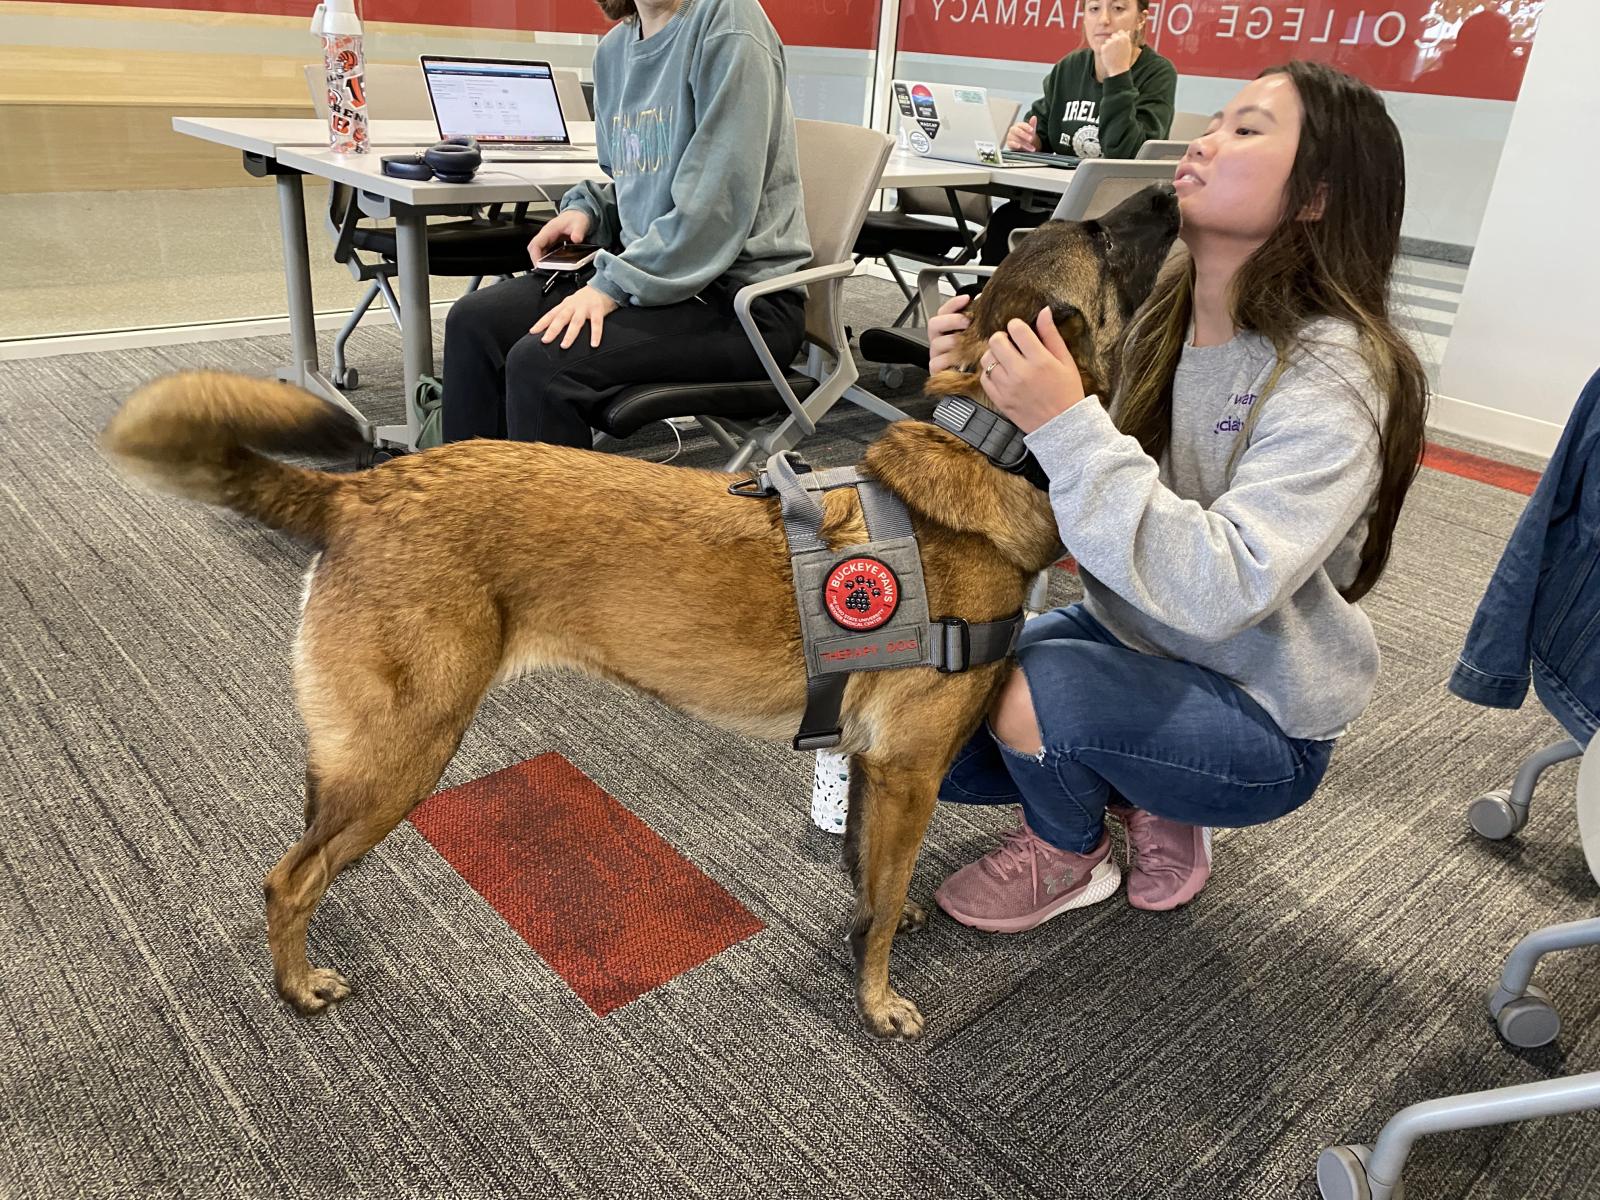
825, 739
752, 489
956, 638
755, 489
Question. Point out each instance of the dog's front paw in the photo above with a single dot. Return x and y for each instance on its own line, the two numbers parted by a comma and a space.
314, 991
913, 918
891, 1016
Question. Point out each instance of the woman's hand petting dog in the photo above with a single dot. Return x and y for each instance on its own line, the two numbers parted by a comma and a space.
1029, 376
586, 306
944, 334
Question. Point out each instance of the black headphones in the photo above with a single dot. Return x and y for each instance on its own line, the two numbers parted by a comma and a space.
454, 160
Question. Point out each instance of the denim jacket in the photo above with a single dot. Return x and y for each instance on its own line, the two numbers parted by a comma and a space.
1543, 604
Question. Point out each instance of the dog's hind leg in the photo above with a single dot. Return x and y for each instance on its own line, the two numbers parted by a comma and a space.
360, 795
374, 754
890, 806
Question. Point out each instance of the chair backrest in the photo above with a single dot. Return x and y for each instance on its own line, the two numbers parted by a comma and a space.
569, 90
1164, 149
840, 169
395, 92
1100, 184
1186, 126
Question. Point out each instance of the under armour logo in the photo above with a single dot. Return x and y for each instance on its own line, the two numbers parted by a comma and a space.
1061, 879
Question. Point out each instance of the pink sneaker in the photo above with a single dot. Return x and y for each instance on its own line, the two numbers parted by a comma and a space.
1168, 861
1026, 881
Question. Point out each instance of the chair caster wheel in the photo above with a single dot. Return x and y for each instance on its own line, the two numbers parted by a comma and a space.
891, 377
1530, 1020
347, 380
1342, 1174
1492, 815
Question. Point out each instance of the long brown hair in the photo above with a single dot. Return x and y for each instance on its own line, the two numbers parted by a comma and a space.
1350, 167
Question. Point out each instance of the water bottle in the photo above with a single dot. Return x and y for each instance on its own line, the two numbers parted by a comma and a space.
830, 792
337, 24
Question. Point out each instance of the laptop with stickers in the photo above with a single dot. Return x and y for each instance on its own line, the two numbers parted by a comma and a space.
956, 123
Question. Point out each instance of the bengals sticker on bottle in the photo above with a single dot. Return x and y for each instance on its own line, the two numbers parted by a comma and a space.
861, 594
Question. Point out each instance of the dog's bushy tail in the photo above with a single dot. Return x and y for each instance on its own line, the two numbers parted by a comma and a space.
200, 433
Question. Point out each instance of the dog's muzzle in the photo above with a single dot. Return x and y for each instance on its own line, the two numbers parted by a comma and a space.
992, 436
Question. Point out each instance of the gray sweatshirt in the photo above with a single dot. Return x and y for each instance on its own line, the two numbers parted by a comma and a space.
694, 127
1240, 574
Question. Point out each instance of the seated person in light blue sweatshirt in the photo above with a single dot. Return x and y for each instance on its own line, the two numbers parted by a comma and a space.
1228, 507
693, 126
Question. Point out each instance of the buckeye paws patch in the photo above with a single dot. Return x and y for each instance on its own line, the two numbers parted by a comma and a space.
861, 594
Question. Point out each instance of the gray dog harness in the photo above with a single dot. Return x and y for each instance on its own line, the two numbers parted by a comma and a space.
863, 608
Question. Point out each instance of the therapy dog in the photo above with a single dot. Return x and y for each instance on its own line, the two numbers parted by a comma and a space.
440, 574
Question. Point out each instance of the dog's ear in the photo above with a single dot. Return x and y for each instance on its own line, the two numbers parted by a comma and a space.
1075, 332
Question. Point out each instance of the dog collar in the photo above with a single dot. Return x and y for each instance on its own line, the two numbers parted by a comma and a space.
992, 436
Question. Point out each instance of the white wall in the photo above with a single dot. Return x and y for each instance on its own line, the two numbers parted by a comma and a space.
1527, 336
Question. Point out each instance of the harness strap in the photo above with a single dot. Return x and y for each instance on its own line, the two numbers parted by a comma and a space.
802, 512
819, 726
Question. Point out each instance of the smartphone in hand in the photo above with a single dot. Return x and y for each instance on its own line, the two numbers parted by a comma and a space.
570, 256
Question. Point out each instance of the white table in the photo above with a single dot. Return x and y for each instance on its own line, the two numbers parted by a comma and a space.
905, 169
288, 149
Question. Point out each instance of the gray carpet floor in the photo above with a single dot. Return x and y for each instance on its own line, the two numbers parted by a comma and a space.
150, 767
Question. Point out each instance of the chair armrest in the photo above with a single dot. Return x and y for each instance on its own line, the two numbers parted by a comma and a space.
928, 284
750, 292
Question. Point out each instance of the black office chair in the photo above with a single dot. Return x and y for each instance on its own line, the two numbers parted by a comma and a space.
484, 245
908, 231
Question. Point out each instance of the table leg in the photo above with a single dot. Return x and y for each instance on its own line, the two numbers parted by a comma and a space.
304, 369
416, 316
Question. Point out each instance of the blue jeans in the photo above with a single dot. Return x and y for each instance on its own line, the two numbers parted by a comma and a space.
1166, 736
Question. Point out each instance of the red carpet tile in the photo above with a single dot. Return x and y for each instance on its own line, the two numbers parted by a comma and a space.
613, 908
1484, 470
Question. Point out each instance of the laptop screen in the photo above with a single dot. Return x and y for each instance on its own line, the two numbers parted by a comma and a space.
496, 102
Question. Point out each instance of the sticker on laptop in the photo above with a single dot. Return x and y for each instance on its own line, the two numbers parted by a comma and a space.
968, 96
920, 142
902, 97
922, 102
988, 153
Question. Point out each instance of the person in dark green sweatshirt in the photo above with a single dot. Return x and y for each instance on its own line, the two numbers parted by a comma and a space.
1104, 100
694, 129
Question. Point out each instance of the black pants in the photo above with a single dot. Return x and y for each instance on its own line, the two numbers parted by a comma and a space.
501, 382
1006, 220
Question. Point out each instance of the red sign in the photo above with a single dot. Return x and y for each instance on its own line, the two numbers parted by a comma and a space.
1437, 46
847, 24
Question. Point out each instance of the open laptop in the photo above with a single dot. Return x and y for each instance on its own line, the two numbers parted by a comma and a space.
956, 123
509, 106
